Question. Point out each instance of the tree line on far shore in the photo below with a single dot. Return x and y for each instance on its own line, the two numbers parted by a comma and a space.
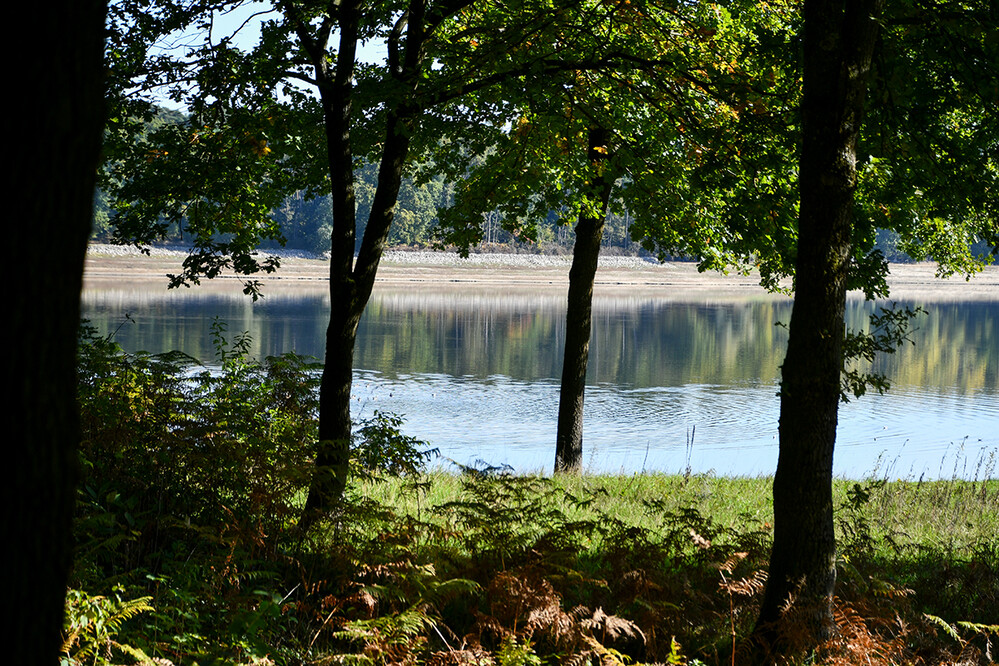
307, 221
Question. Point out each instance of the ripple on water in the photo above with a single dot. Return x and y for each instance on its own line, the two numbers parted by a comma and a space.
732, 429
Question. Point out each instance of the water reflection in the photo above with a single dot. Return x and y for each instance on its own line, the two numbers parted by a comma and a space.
476, 374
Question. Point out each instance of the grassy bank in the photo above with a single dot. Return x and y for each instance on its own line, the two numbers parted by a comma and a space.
463, 568
953, 514
187, 550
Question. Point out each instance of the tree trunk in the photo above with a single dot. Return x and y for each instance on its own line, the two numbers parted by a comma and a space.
349, 295
585, 253
838, 44
332, 456
58, 148
351, 282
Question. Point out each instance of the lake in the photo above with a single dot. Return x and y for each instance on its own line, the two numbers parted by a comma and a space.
673, 384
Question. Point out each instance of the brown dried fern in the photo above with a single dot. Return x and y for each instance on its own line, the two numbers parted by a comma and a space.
465, 657
524, 606
744, 587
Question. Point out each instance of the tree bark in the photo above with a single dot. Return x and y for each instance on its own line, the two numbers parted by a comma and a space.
839, 38
57, 147
585, 254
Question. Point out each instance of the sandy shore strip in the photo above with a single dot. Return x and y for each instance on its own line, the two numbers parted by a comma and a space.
112, 266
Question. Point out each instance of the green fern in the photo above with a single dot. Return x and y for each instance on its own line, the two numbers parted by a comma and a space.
978, 628
514, 653
983, 630
93, 624
387, 638
952, 630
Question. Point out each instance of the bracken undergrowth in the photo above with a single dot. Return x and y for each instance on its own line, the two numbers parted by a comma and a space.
188, 553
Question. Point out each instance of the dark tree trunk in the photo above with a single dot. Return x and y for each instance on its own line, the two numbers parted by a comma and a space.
351, 281
57, 147
838, 44
332, 456
585, 253
350, 291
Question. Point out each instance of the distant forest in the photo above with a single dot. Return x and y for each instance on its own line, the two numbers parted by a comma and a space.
306, 221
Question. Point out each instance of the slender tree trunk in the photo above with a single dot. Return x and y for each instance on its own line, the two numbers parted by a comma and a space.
839, 38
351, 281
332, 456
585, 253
58, 145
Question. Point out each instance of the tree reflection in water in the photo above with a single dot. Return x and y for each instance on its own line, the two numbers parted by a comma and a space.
475, 373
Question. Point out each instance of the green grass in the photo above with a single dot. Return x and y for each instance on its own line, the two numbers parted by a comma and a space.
950, 514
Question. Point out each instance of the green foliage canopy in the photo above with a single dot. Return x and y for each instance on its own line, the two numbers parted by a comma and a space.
700, 117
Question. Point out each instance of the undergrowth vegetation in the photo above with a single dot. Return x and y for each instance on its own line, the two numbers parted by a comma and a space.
187, 550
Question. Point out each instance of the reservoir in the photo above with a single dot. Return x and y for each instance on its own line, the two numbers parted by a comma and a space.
675, 382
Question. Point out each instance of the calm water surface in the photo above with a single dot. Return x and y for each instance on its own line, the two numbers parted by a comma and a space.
670, 383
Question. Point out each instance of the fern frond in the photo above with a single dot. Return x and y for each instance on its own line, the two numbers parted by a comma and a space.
608, 656
135, 653
947, 627
983, 630
69, 642
612, 627
979, 628
94, 622
887, 590
745, 587
451, 588
578, 659
466, 657
728, 566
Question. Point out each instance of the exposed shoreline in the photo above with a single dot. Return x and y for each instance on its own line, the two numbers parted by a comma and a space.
110, 266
